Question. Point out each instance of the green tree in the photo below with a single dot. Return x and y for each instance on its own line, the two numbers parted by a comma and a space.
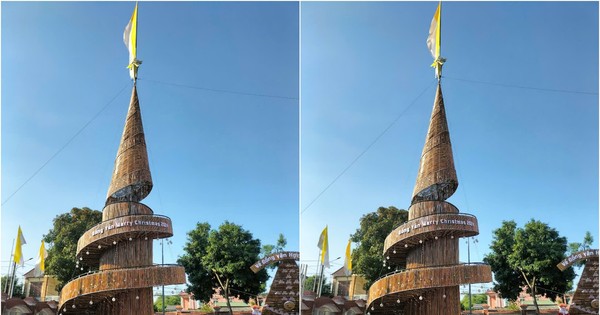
508, 279
475, 299
309, 284
222, 258
269, 249
62, 239
169, 300
367, 257
18, 287
199, 276
536, 249
575, 247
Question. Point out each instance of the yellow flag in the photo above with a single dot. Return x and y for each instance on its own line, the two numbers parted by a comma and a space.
324, 246
130, 39
41, 264
348, 260
18, 258
435, 30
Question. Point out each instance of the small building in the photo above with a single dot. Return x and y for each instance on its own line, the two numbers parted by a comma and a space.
351, 287
494, 300
188, 302
40, 287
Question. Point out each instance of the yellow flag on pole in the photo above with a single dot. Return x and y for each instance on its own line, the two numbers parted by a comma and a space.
434, 38
18, 258
348, 260
40, 267
324, 246
130, 39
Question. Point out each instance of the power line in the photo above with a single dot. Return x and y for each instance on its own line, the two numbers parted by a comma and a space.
521, 86
368, 147
219, 90
66, 144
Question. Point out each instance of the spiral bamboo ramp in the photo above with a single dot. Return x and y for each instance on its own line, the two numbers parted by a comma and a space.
120, 247
424, 251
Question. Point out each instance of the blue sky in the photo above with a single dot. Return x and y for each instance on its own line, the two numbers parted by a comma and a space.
520, 153
214, 156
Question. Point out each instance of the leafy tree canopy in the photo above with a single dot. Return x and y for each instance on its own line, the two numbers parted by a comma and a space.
508, 279
309, 285
18, 287
269, 249
222, 258
169, 300
367, 257
530, 256
575, 247
62, 239
475, 299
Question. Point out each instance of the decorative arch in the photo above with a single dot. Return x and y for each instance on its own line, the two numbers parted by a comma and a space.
273, 258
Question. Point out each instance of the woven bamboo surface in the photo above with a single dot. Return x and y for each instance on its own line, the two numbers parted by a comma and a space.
120, 209
131, 179
423, 208
436, 179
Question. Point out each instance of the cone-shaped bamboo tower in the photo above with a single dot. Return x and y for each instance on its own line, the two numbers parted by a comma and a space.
120, 247
424, 250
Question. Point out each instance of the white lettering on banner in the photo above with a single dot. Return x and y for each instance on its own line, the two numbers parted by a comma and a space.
98, 231
275, 257
124, 223
577, 256
433, 221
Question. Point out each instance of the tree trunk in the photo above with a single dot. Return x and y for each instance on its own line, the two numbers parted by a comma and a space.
532, 287
537, 307
226, 290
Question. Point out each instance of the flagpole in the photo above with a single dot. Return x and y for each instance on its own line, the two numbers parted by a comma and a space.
136, 69
12, 280
45, 287
6, 286
441, 59
316, 273
304, 275
440, 39
321, 281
